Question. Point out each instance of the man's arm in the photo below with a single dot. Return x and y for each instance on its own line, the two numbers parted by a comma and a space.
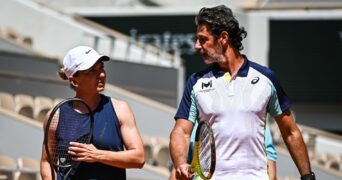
179, 146
272, 169
271, 154
294, 142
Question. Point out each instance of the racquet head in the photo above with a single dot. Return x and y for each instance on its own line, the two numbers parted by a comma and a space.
69, 121
204, 157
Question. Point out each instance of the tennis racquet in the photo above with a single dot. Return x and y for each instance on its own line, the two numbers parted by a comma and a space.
71, 120
204, 157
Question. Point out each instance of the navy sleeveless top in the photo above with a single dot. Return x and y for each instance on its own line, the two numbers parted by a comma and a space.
106, 136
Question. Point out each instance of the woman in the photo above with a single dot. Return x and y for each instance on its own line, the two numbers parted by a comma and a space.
116, 143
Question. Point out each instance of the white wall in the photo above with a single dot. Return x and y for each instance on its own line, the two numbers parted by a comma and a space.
256, 42
55, 32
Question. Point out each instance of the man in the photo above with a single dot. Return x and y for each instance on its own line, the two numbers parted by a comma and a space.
271, 155
270, 152
236, 94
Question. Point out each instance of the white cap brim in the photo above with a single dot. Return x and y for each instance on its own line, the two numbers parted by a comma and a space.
81, 58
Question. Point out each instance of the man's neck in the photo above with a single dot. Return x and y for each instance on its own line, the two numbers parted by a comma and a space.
233, 62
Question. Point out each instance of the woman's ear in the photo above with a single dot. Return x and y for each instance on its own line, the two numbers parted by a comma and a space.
73, 81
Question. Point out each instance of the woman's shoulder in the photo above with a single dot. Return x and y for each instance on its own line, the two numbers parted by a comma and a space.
119, 104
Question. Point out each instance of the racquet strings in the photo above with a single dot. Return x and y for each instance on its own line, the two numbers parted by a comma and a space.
205, 150
71, 122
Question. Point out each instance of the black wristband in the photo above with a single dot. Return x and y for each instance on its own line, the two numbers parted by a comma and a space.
310, 176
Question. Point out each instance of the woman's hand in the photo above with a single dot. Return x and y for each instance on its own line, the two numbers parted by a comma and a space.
83, 152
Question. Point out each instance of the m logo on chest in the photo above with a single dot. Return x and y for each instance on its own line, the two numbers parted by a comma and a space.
207, 85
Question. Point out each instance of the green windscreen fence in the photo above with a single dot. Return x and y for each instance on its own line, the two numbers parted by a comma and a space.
307, 58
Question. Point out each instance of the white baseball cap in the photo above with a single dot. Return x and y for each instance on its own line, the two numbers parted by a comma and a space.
81, 58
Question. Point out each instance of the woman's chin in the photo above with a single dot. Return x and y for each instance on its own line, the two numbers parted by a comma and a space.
100, 89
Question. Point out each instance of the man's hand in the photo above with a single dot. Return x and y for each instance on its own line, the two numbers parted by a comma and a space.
183, 172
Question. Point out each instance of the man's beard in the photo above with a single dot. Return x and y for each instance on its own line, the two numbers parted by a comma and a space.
213, 57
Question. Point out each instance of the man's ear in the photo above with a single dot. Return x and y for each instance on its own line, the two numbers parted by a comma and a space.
224, 37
